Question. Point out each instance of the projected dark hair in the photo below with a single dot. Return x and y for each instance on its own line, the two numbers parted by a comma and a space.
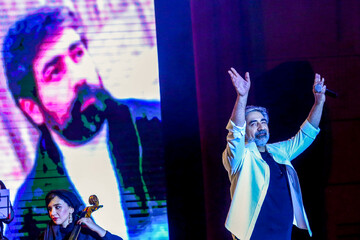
23, 40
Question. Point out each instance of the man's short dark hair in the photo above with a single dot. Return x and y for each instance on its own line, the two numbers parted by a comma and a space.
23, 40
262, 110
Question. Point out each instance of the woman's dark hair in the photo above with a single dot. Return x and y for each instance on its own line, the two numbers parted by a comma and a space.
68, 197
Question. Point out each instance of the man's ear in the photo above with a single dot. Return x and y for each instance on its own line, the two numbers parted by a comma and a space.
32, 110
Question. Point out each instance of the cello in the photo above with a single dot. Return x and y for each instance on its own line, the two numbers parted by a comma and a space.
94, 202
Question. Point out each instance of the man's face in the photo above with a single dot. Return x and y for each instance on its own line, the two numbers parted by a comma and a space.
257, 129
68, 86
62, 65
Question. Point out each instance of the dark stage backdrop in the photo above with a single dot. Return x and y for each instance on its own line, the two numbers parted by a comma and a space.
122, 44
282, 44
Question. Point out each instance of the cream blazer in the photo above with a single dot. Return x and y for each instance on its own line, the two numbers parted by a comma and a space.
249, 175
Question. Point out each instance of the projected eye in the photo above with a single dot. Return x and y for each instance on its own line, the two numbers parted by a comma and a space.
52, 73
77, 54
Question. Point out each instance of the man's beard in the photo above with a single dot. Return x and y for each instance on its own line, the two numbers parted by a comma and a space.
83, 124
261, 138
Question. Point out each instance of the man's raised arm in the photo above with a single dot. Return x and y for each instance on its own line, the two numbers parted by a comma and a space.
242, 87
317, 109
232, 156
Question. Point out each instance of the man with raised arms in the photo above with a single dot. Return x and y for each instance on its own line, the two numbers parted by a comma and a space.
265, 190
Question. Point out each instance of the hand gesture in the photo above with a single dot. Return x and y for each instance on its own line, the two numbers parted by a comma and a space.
242, 86
319, 89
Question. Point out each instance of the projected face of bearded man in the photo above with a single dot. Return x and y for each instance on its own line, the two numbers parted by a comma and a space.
70, 91
257, 129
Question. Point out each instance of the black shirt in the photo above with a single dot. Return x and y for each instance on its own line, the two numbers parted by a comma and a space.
275, 219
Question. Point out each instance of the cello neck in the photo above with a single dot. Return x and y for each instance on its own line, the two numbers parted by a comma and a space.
75, 232
93, 200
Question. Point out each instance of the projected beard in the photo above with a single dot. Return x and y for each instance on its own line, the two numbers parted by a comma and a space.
85, 119
261, 138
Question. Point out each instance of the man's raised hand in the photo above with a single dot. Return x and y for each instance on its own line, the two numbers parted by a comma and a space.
319, 89
242, 86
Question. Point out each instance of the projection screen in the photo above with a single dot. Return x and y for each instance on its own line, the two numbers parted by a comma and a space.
115, 153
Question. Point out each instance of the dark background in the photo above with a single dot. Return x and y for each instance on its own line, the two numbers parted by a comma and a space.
282, 44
